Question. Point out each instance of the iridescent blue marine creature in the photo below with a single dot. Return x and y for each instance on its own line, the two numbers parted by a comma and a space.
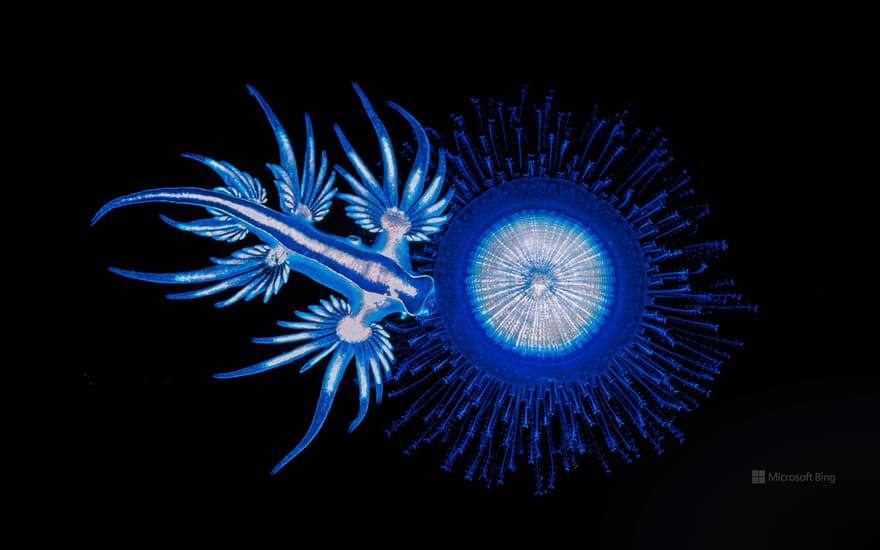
558, 304
375, 281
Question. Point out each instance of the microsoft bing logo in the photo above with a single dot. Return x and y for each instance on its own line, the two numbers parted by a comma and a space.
763, 477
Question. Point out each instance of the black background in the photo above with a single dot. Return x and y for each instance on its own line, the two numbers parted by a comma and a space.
138, 434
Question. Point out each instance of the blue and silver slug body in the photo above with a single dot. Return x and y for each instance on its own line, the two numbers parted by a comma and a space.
374, 281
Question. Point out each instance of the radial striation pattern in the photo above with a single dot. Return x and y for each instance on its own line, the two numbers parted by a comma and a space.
539, 283
593, 318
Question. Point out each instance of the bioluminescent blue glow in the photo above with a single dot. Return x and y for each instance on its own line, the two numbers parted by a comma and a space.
588, 329
540, 283
375, 281
548, 297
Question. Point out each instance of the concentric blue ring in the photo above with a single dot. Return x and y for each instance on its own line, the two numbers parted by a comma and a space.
607, 295
540, 283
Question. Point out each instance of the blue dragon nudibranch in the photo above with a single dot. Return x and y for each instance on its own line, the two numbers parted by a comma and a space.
375, 281
556, 305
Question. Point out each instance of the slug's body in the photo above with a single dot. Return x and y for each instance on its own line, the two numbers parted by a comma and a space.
559, 310
375, 281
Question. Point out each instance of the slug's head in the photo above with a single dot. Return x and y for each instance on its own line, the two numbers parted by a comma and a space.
423, 302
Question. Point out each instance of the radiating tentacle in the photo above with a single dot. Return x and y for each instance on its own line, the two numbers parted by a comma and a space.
422, 199
227, 284
389, 181
221, 228
318, 330
372, 198
285, 148
363, 381
309, 166
366, 212
332, 376
281, 359
378, 208
312, 195
238, 184
428, 215
205, 275
319, 197
288, 189
255, 269
329, 329
419, 171
370, 189
373, 359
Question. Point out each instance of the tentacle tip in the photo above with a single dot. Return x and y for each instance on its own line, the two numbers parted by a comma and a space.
355, 423
176, 295
194, 156
169, 221
100, 213
124, 273
290, 456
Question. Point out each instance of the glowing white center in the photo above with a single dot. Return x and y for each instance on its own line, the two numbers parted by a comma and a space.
351, 329
540, 283
303, 211
395, 221
277, 256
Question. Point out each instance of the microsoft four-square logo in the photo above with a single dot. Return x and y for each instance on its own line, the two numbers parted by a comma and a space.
759, 477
